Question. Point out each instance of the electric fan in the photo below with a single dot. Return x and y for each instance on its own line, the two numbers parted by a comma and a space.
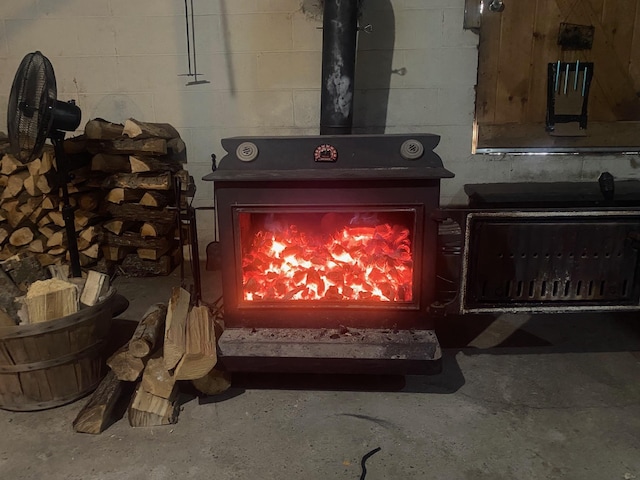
33, 115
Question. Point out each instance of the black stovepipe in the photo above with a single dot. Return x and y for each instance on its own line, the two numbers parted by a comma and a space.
57, 138
339, 34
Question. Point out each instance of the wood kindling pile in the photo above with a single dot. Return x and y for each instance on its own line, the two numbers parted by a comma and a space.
30, 294
173, 342
136, 166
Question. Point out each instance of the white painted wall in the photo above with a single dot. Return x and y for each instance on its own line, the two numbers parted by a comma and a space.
123, 58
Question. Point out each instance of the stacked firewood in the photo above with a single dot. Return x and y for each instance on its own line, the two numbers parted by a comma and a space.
126, 186
138, 167
31, 219
171, 343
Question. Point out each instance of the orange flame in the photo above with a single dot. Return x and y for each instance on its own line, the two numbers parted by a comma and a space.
353, 264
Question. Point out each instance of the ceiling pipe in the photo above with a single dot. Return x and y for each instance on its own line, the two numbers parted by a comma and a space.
339, 34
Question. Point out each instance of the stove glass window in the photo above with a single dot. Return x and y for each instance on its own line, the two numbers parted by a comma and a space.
359, 256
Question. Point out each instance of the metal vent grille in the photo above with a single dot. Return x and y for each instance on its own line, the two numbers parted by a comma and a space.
553, 261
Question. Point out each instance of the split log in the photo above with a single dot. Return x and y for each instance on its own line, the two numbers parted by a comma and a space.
156, 378
213, 383
9, 204
57, 218
177, 150
185, 179
7, 252
82, 218
15, 184
36, 215
161, 181
99, 129
153, 253
57, 251
21, 236
136, 129
81, 174
131, 239
24, 270
89, 201
118, 227
48, 231
175, 327
47, 160
75, 145
46, 259
4, 234
149, 332
93, 252
154, 199
128, 146
30, 185
95, 286
134, 266
44, 184
200, 354
103, 162
30, 205
60, 272
125, 366
34, 167
90, 234
95, 416
56, 239
4, 180
16, 218
149, 229
119, 195
114, 254
147, 410
138, 213
140, 164
10, 164
82, 244
37, 245
50, 202
9, 293
51, 299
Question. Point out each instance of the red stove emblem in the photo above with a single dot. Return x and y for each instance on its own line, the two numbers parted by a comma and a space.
325, 153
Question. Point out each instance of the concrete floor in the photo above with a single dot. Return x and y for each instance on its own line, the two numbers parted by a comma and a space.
546, 397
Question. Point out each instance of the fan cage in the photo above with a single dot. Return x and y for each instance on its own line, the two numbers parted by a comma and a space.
31, 102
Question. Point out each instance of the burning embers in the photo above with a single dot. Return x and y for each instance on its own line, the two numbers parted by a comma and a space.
331, 256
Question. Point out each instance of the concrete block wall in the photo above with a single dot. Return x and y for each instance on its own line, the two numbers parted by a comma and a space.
416, 73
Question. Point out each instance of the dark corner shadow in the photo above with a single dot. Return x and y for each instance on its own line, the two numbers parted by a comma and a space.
545, 334
449, 381
374, 67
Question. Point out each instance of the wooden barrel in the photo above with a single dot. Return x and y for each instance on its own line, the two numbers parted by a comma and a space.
48, 364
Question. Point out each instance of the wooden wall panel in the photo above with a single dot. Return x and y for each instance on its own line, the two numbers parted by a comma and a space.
545, 51
516, 45
634, 61
617, 21
488, 57
611, 75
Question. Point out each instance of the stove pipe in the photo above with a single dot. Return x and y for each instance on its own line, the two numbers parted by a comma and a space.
339, 31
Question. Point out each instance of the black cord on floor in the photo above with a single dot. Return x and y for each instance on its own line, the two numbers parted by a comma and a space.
364, 459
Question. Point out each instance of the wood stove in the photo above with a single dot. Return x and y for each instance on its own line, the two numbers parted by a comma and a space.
328, 252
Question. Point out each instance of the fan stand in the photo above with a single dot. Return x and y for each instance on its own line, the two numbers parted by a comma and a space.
57, 138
